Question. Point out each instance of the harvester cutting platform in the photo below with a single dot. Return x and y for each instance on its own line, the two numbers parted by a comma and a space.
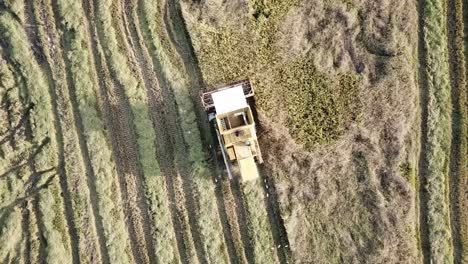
231, 116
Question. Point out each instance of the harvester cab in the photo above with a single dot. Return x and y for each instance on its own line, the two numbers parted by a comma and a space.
231, 116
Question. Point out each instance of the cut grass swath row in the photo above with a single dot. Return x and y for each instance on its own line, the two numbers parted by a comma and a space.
437, 127
50, 203
81, 53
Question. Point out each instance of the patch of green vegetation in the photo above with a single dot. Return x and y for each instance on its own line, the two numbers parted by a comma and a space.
318, 109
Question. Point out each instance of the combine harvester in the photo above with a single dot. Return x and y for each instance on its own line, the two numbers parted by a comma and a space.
232, 119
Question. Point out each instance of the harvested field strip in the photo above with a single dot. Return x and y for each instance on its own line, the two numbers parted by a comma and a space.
188, 151
135, 128
276, 221
50, 204
458, 155
257, 215
434, 165
183, 58
165, 150
239, 237
243, 221
165, 244
50, 207
81, 50
229, 224
72, 155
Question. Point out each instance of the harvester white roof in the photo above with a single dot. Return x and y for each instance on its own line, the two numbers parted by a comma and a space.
229, 100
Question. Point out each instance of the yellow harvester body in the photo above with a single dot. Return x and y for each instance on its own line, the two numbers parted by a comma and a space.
235, 127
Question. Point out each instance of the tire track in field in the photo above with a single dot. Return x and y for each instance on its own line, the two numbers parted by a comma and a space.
242, 220
141, 61
280, 236
455, 29
68, 206
224, 216
175, 27
118, 118
89, 171
233, 238
423, 104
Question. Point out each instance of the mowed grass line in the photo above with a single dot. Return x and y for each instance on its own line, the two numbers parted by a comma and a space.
72, 156
438, 128
51, 205
102, 179
189, 151
459, 154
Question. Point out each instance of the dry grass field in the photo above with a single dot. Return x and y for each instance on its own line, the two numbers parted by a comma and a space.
106, 154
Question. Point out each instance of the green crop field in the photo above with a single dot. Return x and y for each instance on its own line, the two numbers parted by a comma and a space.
107, 156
